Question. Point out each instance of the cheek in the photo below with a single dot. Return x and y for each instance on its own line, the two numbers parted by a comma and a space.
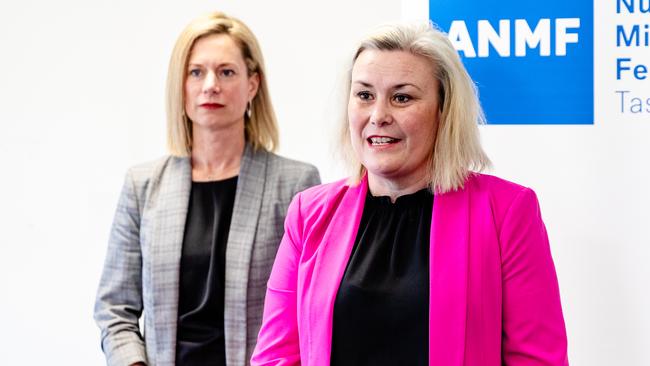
187, 100
420, 128
189, 93
355, 119
238, 95
356, 132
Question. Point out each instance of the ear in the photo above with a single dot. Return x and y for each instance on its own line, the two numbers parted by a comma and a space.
253, 85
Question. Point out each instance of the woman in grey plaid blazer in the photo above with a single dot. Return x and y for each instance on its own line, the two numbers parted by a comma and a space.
221, 124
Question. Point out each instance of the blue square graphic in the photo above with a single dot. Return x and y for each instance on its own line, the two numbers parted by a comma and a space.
533, 62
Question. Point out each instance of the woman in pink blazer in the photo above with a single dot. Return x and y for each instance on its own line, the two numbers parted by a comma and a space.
417, 259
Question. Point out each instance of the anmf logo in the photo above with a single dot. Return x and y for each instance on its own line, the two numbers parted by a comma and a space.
532, 61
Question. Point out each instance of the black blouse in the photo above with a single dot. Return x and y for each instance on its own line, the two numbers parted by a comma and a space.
381, 309
200, 331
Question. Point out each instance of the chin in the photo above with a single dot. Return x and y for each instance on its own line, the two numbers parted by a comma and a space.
383, 167
384, 171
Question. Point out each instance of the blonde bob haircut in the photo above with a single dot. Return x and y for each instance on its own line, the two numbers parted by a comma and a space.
457, 149
261, 129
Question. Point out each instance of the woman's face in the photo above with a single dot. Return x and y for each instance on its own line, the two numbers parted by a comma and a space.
217, 85
393, 113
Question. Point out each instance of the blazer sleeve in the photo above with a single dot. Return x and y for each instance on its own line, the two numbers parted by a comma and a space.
118, 305
533, 325
278, 340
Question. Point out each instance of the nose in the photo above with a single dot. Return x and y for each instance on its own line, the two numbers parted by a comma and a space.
381, 114
211, 84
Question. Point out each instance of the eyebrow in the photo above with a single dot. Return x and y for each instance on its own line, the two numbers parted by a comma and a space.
231, 64
363, 83
398, 86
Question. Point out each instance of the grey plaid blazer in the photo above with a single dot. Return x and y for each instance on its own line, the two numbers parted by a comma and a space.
141, 271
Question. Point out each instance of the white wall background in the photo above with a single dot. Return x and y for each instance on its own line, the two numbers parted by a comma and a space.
81, 95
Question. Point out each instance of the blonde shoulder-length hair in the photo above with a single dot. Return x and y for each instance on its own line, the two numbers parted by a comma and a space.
457, 149
261, 129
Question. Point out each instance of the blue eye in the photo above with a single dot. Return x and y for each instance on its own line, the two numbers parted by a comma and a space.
195, 72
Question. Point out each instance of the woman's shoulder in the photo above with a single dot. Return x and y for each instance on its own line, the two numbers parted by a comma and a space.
315, 206
283, 165
288, 177
493, 185
321, 197
503, 195
151, 171
326, 191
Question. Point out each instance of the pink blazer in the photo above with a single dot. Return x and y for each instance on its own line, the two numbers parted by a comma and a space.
494, 297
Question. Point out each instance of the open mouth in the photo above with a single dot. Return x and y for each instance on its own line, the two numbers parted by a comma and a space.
381, 140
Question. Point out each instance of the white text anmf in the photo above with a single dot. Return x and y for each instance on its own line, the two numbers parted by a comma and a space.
524, 37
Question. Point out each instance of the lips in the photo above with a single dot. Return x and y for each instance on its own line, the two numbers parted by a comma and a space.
381, 140
211, 105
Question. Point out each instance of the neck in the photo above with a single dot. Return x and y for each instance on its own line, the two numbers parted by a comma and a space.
216, 154
393, 188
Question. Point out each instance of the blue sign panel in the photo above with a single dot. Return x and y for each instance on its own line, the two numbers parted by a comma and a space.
533, 61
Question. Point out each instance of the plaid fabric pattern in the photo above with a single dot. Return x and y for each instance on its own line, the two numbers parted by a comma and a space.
141, 271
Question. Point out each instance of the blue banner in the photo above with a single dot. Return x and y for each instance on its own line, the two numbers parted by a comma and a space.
533, 62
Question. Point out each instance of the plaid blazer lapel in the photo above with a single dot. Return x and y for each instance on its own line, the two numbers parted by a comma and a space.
169, 227
243, 227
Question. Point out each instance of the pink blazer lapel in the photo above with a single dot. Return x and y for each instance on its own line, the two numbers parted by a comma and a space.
448, 275
330, 267
448, 278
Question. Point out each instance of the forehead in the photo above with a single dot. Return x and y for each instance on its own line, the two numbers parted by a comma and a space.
216, 48
374, 66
